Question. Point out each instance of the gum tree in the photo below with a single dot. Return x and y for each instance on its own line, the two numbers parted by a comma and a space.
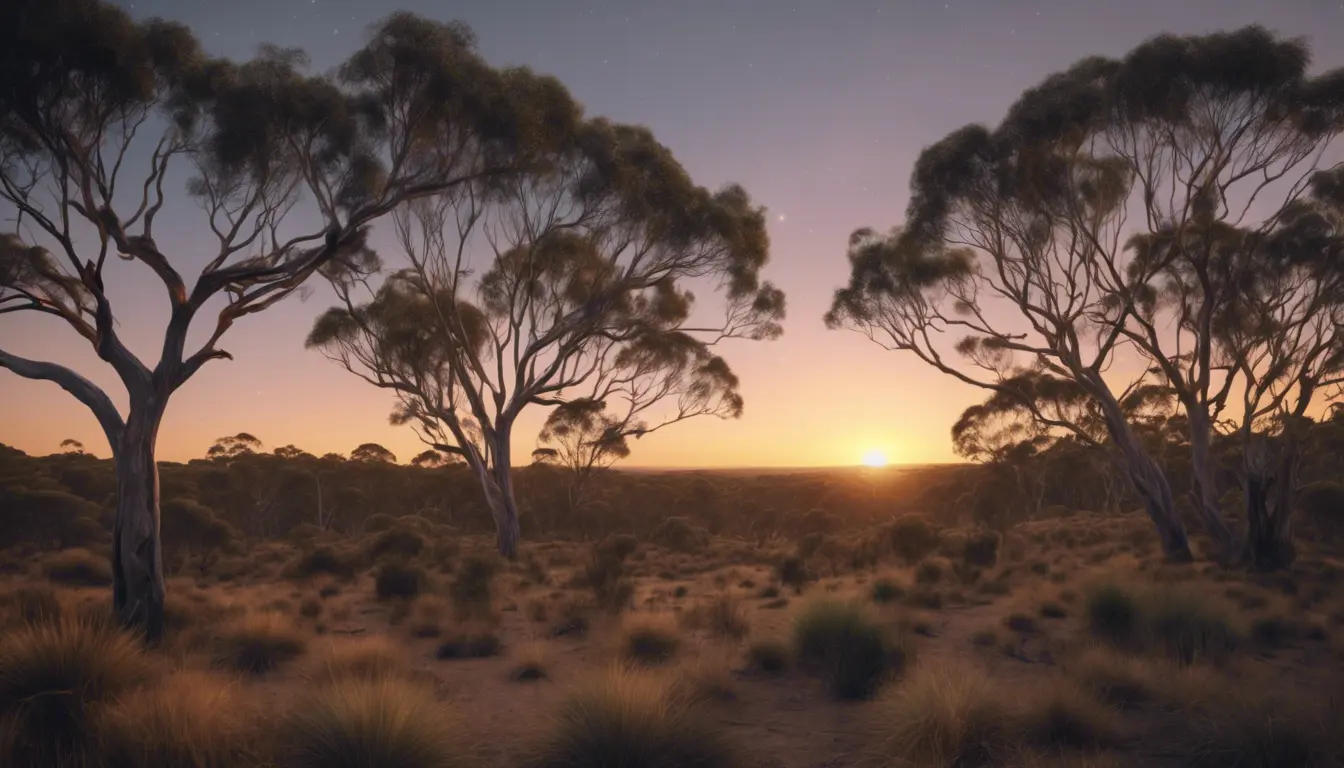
568, 284
100, 114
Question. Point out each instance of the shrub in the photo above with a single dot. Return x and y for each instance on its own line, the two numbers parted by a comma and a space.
258, 643
369, 658
53, 676
35, 604
852, 651
321, 560
1188, 629
1121, 681
1112, 614
605, 572
397, 542
1235, 730
912, 538
1052, 610
1060, 714
929, 572
78, 567
190, 720
469, 644
360, 722
769, 656
792, 572
887, 591
529, 663
634, 721
944, 716
981, 550
470, 589
1020, 622
651, 641
378, 521
678, 535
399, 580
1323, 504
726, 618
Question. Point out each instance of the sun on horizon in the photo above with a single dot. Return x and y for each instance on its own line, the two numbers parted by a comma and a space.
874, 458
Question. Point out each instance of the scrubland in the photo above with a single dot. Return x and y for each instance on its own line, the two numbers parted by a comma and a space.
1059, 642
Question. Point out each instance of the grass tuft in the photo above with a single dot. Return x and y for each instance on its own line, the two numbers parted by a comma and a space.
943, 716
855, 653
259, 643
190, 720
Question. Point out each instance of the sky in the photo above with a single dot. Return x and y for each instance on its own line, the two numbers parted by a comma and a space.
819, 109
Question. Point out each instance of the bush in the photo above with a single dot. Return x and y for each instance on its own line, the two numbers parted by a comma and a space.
887, 591
1187, 629
727, 619
378, 521
361, 722
479, 644
769, 656
321, 559
1236, 730
981, 550
633, 721
1061, 714
605, 572
53, 676
944, 716
397, 542
367, 658
399, 580
1120, 681
929, 572
1112, 614
78, 567
678, 535
259, 643
471, 587
1323, 504
651, 641
190, 720
792, 572
912, 538
850, 649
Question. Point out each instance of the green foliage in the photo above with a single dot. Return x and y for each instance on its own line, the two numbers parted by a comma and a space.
854, 653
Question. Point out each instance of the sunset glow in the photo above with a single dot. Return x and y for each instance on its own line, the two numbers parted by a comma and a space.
875, 458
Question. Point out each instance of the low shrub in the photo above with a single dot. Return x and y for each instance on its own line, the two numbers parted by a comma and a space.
78, 567
1112, 614
321, 560
189, 720
468, 643
360, 722
632, 720
470, 590
651, 641
912, 538
53, 677
396, 542
792, 572
887, 591
258, 643
981, 549
399, 580
854, 652
943, 716
770, 656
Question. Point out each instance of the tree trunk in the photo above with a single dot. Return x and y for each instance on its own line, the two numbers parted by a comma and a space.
1204, 492
497, 484
137, 561
1146, 476
1269, 498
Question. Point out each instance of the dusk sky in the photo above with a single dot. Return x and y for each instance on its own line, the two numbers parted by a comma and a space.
818, 109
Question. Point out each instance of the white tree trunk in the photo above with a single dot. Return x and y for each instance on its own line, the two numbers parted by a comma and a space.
137, 561
1204, 492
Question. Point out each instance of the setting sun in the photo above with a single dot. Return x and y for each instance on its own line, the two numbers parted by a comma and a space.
875, 458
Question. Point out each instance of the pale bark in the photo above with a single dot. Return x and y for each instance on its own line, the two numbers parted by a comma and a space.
1144, 473
497, 485
1204, 491
137, 559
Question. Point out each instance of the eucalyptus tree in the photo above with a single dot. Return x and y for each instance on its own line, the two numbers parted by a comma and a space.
1007, 240
99, 117
583, 438
570, 283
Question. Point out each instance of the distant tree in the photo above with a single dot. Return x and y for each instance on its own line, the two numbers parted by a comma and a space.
580, 293
583, 438
333, 457
290, 452
234, 446
373, 452
70, 445
434, 458
98, 113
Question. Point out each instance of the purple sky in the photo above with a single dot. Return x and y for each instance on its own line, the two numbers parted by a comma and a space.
818, 108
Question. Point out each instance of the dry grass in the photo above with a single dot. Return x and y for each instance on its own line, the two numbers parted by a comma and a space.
360, 722
258, 642
650, 639
942, 716
189, 720
633, 720
53, 676
365, 658
855, 653
78, 567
